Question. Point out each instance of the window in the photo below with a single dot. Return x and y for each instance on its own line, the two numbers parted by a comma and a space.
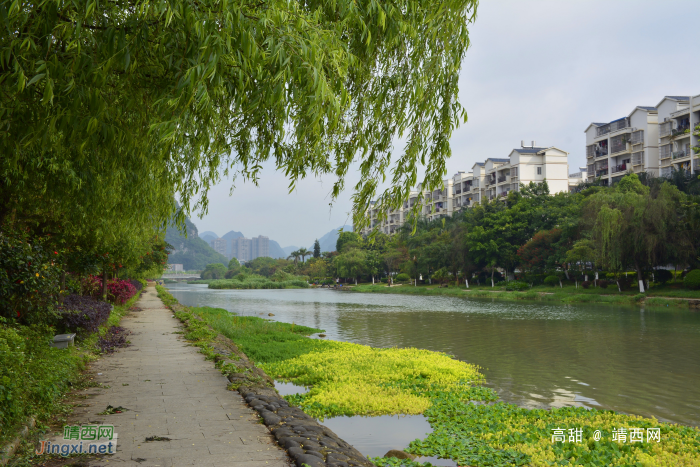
539, 170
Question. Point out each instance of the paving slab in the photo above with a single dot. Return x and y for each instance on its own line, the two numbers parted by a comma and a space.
171, 391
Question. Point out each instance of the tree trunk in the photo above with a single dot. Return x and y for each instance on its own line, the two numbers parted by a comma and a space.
640, 279
466, 281
104, 284
372, 279
560, 286
492, 271
566, 273
618, 286
63, 286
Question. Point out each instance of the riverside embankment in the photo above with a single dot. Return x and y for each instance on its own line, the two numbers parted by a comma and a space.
513, 435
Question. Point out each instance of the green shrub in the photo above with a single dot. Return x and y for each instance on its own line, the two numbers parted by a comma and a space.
517, 286
662, 276
551, 281
403, 277
692, 279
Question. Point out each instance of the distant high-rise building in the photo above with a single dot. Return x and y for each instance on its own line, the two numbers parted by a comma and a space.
219, 245
261, 246
247, 249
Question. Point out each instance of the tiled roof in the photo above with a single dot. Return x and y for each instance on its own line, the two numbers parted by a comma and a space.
678, 98
618, 119
497, 160
598, 124
646, 108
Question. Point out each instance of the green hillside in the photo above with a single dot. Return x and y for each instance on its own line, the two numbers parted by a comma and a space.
191, 251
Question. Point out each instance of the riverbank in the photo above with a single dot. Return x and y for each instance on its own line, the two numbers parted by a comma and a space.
660, 297
511, 436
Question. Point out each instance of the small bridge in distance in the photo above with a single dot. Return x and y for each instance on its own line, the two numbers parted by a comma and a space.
180, 277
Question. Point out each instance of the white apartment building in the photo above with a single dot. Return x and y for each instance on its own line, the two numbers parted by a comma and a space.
487, 181
626, 144
247, 249
576, 178
679, 134
219, 245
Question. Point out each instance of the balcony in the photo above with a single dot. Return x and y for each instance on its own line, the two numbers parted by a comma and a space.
612, 127
680, 154
665, 152
458, 191
502, 179
638, 137
638, 158
619, 143
619, 168
601, 172
665, 129
681, 130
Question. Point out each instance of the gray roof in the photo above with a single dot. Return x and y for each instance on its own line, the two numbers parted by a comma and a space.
645, 107
678, 98
529, 150
598, 124
478, 163
497, 160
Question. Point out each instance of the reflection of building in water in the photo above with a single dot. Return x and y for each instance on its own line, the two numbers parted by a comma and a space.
247, 249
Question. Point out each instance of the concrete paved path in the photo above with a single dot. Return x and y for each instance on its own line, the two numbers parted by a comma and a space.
171, 391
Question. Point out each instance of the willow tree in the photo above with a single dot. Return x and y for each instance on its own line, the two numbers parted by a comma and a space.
634, 226
138, 100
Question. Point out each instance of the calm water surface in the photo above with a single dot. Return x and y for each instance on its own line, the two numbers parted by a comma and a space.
638, 361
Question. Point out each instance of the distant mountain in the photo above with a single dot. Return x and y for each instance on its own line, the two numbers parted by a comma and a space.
329, 240
208, 236
276, 251
288, 249
192, 252
233, 234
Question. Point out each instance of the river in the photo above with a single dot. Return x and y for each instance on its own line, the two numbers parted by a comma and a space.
633, 360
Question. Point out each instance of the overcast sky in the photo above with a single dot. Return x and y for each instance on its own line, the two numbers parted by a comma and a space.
536, 70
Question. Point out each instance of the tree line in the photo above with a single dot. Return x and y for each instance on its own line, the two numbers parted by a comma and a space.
638, 225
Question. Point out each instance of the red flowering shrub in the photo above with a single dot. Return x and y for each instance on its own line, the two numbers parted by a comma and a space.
118, 291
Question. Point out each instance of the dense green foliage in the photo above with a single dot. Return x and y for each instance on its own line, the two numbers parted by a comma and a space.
100, 97
214, 271
34, 375
542, 238
692, 279
280, 280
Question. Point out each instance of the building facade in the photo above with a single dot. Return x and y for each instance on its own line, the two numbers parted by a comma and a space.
219, 245
487, 181
247, 249
679, 134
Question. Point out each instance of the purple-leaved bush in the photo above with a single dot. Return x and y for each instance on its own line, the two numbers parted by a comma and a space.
81, 313
136, 283
114, 338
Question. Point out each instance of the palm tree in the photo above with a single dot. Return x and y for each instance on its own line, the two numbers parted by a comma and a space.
295, 256
303, 252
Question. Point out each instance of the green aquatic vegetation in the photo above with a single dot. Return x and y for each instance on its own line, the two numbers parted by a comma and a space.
352, 379
257, 283
505, 434
347, 378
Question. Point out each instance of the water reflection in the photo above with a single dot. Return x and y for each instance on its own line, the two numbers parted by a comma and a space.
536, 355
